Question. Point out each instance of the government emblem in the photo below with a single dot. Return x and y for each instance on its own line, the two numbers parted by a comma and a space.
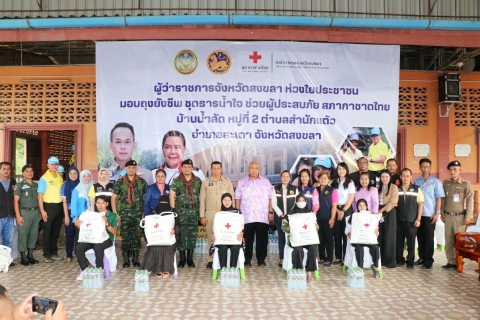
185, 61
219, 62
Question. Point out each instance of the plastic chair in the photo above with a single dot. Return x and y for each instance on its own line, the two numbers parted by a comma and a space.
109, 260
351, 261
240, 263
287, 260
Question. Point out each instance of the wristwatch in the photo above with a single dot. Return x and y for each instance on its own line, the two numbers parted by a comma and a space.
439, 211
343, 210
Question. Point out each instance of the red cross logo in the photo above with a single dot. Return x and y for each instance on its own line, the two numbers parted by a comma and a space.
305, 226
228, 226
156, 226
255, 57
88, 225
366, 225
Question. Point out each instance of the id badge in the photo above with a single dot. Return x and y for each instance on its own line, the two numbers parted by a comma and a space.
456, 197
381, 201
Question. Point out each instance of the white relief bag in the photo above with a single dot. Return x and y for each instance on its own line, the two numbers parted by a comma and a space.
303, 229
158, 228
364, 224
5, 258
227, 226
92, 229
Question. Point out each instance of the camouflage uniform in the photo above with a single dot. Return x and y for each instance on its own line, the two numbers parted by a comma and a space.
187, 211
131, 214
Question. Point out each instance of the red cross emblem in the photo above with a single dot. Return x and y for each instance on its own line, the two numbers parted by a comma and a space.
366, 225
305, 226
228, 226
88, 225
255, 57
156, 226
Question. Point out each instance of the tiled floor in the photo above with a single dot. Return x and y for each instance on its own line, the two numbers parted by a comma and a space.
401, 294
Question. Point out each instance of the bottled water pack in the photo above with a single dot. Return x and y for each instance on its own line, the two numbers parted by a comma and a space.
356, 277
297, 279
93, 278
230, 277
142, 283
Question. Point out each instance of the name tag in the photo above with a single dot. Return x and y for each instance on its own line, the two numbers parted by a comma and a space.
456, 197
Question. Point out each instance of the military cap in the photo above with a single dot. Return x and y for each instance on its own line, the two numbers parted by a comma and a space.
25, 167
454, 163
187, 161
131, 163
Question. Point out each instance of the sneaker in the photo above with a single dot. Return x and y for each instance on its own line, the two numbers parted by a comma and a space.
80, 276
47, 259
56, 257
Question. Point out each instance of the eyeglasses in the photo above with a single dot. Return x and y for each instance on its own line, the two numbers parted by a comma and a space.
363, 162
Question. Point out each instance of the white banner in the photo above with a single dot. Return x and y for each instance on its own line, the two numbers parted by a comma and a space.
287, 105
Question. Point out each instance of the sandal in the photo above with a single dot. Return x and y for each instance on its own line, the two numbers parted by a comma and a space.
327, 264
158, 275
321, 262
376, 273
165, 275
69, 259
337, 262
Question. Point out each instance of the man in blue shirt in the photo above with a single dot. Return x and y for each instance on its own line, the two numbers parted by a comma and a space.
433, 193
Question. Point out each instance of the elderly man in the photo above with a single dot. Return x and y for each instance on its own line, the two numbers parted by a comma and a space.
350, 152
457, 209
253, 198
128, 202
377, 152
362, 163
211, 200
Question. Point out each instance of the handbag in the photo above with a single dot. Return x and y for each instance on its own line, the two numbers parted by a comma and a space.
92, 229
5, 258
303, 229
158, 228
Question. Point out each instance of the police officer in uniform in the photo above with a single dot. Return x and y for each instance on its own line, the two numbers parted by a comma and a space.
128, 202
457, 209
211, 193
184, 197
25, 203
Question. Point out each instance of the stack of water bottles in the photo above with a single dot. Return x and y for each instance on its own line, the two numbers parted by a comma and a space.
202, 246
141, 281
229, 277
356, 277
297, 279
272, 244
93, 278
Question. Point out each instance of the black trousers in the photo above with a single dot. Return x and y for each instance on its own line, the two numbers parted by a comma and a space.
99, 249
223, 253
387, 238
339, 235
325, 234
425, 236
51, 228
297, 257
258, 231
281, 236
406, 230
374, 251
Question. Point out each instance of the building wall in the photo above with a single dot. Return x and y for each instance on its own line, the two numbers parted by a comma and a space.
47, 101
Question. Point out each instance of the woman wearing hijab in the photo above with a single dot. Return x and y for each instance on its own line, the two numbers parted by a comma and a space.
160, 259
227, 205
362, 205
297, 254
102, 187
66, 195
80, 199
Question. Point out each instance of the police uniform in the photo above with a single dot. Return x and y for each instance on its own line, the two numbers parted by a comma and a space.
129, 205
211, 193
457, 205
116, 172
28, 205
174, 173
187, 206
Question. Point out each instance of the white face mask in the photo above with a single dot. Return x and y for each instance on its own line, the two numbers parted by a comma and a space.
301, 205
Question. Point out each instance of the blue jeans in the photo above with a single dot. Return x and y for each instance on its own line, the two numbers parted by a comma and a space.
6, 231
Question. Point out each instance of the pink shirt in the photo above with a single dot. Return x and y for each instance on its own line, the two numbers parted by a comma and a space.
255, 198
370, 196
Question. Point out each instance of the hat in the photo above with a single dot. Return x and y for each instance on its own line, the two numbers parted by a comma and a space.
61, 169
131, 163
187, 161
324, 162
26, 166
358, 158
353, 136
375, 131
53, 160
454, 163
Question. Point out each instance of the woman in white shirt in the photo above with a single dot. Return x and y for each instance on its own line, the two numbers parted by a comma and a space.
346, 194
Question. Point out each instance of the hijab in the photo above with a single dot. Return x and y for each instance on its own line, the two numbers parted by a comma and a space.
108, 175
163, 205
70, 184
296, 209
84, 188
231, 208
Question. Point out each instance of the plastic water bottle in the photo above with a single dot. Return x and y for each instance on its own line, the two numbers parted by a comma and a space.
289, 279
237, 277
84, 281
147, 281
137, 284
222, 277
88, 275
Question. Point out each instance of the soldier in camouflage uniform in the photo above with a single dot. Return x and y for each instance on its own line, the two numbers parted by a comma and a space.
127, 203
184, 193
